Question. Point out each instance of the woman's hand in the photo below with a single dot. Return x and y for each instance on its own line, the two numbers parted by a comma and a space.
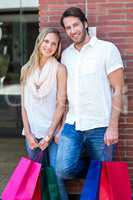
43, 144
33, 143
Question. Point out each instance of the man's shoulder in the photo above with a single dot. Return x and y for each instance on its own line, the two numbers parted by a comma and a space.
105, 43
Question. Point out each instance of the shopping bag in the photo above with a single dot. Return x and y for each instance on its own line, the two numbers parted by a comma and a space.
91, 186
114, 182
44, 186
37, 193
22, 184
52, 184
50, 190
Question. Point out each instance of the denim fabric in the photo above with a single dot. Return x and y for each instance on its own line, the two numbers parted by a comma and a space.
70, 148
52, 150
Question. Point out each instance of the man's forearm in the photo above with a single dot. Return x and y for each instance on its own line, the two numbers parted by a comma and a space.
116, 109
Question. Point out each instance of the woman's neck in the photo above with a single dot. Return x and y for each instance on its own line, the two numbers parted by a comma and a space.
42, 62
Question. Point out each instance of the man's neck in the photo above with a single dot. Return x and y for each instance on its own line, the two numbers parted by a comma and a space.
81, 44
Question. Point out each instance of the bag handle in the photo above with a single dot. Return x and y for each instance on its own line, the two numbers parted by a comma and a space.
39, 156
45, 160
43, 156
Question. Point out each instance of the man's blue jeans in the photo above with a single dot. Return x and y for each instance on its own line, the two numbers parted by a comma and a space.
71, 146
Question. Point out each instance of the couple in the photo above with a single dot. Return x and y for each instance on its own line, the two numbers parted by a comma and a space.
91, 78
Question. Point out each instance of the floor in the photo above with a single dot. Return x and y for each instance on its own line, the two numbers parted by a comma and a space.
11, 149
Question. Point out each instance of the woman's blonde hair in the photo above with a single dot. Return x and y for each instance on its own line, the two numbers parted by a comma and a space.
35, 56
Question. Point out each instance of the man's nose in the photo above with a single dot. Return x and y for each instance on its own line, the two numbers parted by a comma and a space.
72, 30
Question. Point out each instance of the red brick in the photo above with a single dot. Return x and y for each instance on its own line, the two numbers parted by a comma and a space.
112, 16
74, 1
120, 34
120, 1
129, 15
97, 1
56, 6
114, 10
130, 5
55, 13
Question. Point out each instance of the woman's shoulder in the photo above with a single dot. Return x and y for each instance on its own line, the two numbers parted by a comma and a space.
62, 72
61, 67
24, 68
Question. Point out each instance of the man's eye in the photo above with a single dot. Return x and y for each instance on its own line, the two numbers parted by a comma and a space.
75, 25
68, 28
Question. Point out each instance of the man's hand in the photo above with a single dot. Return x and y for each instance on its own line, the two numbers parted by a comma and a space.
56, 137
111, 135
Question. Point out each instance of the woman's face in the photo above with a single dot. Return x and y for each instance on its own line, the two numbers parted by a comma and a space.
49, 45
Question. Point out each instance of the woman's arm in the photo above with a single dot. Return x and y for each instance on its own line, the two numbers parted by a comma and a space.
60, 103
31, 140
61, 98
61, 125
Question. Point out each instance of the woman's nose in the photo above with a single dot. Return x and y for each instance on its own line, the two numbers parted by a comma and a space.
48, 45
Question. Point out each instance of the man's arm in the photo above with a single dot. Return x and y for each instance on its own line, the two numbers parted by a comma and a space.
116, 79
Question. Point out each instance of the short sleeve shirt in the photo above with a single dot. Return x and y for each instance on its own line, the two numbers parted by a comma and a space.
88, 88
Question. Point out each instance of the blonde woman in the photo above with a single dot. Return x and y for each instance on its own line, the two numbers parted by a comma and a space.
43, 92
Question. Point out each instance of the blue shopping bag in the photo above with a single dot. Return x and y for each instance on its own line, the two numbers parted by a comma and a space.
90, 189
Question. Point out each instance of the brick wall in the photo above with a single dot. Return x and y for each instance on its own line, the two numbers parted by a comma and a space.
114, 22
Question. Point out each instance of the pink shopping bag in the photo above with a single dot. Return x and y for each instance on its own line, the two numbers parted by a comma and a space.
22, 184
114, 181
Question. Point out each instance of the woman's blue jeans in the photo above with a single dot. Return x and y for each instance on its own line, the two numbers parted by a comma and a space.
52, 151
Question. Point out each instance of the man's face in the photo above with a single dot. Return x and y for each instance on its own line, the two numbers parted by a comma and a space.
75, 29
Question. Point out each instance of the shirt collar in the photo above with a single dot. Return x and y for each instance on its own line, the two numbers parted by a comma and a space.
91, 42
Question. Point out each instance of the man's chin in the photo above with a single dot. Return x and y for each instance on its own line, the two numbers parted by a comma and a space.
76, 42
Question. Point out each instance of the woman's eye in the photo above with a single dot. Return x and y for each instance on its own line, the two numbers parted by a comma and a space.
46, 41
54, 44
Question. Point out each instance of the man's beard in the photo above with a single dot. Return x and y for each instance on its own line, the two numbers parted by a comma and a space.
82, 39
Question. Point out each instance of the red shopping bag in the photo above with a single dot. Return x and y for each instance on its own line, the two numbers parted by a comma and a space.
114, 182
38, 193
23, 181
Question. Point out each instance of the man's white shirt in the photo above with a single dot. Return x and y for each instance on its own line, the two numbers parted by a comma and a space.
88, 88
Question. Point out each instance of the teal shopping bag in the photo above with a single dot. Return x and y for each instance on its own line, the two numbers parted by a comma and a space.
50, 190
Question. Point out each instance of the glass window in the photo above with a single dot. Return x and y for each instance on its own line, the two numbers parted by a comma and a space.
18, 31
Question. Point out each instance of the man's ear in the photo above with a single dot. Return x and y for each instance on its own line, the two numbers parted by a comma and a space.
86, 25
